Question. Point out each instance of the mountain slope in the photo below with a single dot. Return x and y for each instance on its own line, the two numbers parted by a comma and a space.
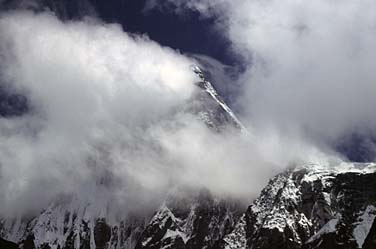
198, 221
87, 222
313, 207
306, 207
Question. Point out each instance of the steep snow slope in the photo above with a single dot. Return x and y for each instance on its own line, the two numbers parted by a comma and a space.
215, 113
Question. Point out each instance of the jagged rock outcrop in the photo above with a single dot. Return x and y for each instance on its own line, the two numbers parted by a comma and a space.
314, 207
201, 223
305, 208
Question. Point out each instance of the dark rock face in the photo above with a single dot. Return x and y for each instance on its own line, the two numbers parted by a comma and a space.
102, 234
4, 244
202, 224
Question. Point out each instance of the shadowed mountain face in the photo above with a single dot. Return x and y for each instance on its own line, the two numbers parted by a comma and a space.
7, 244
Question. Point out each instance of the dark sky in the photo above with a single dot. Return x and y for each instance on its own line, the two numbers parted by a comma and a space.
188, 33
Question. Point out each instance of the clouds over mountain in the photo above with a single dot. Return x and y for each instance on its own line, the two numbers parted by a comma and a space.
309, 65
107, 115
108, 108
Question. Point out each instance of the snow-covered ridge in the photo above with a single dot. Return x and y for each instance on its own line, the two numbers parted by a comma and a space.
208, 87
74, 223
312, 206
308, 207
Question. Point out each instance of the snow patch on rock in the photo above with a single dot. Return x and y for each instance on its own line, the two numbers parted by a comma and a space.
364, 224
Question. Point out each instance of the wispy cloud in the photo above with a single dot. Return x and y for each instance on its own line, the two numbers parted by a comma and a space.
309, 65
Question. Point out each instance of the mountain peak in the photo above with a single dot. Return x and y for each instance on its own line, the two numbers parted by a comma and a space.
222, 107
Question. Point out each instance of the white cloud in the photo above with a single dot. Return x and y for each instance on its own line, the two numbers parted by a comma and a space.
107, 107
310, 64
108, 115
93, 90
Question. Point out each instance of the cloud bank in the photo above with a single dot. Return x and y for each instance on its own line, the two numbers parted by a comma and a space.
107, 109
107, 119
93, 94
309, 64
